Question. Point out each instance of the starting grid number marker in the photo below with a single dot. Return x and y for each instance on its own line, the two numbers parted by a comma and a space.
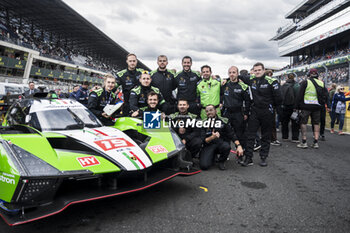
204, 188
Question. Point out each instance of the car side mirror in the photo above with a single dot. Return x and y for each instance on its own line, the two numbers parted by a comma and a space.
28, 118
13, 111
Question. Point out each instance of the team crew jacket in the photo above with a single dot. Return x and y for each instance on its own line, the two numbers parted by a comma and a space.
164, 80
186, 84
266, 91
98, 100
191, 132
225, 131
128, 79
138, 97
235, 96
209, 92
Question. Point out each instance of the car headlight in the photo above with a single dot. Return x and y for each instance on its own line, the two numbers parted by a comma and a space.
33, 165
177, 141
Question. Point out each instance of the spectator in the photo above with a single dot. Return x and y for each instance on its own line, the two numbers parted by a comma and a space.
32, 90
83, 93
73, 94
339, 107
289, 94
309, 104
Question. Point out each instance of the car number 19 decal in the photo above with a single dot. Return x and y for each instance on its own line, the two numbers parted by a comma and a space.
117, 143
114, 143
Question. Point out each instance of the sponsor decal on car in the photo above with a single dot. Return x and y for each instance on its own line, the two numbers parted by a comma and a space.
5, 178
158, 149
88, 161
133, 158
114, 143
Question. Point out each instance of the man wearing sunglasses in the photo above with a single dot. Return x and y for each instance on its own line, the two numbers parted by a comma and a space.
138, 95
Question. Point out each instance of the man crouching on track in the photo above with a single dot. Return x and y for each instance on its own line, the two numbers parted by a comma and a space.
216, 140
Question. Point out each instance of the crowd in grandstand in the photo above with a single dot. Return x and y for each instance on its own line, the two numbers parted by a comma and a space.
337, 75
307, 60
48, 45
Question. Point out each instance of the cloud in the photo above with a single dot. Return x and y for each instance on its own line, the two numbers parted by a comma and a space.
165, 31
218, 33
124, 14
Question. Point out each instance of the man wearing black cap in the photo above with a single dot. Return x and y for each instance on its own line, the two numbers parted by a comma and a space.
309, 101
289, 93
83, 93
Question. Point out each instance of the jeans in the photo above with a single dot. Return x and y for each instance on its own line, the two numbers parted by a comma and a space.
341, 121
334, 116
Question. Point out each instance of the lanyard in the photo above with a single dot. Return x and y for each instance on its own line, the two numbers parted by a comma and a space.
110, 97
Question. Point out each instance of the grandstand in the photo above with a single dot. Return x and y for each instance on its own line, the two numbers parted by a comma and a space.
50, 43
318, 36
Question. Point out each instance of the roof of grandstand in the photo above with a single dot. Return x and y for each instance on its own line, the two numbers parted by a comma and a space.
302, 8
57, 17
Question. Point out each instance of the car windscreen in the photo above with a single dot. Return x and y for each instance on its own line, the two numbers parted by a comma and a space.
63, 119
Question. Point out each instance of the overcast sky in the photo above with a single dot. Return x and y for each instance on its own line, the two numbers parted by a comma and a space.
218, 33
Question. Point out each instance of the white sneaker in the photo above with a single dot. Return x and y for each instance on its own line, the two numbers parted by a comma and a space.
275, 143
315, 145
302, 145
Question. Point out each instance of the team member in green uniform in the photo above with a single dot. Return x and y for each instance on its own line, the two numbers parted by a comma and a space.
208, 91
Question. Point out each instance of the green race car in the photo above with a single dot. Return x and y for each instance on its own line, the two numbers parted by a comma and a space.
55, 152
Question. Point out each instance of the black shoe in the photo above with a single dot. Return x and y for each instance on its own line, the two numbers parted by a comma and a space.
222, 165
247, 162
322, 138
263, 163
239, 160
257, 147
